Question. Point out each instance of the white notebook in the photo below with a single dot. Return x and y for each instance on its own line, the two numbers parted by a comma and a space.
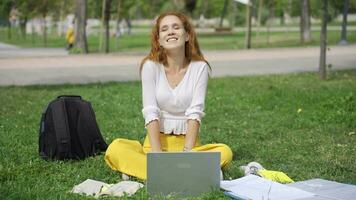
257, 188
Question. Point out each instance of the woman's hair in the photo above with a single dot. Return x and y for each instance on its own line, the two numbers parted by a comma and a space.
192, 50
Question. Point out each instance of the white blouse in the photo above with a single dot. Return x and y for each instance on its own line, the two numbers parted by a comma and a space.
173, 106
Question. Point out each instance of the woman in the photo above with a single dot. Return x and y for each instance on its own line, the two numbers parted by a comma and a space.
174, 81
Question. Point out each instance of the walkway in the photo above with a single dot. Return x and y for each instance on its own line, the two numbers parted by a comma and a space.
58, 68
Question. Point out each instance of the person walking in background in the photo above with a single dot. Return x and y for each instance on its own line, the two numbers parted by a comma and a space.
70, 36
174, 81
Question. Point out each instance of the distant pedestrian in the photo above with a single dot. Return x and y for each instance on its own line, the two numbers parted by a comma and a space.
70, 36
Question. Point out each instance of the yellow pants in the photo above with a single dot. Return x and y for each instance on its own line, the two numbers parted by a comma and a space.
129, 156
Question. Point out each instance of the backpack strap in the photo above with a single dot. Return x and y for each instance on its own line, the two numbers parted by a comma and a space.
61, 128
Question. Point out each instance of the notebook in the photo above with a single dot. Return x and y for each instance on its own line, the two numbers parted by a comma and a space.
182, 174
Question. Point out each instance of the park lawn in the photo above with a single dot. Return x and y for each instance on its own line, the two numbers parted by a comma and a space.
257, 116
140, 42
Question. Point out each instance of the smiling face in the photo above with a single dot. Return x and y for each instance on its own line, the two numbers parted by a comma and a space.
172, 34
183, 36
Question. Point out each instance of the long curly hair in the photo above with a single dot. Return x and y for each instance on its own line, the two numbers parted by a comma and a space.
192, 49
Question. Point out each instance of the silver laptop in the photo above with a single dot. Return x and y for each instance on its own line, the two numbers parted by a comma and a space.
182, 174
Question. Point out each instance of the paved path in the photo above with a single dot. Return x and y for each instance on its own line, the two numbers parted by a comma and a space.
59, 68
11, 51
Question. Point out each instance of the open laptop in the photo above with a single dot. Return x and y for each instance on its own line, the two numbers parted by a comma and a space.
182, 174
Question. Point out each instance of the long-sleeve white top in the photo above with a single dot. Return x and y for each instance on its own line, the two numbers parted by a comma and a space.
172, 107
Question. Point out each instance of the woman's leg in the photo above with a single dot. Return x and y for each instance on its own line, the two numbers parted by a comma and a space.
226, 153
176, 143
169, 143
127, 156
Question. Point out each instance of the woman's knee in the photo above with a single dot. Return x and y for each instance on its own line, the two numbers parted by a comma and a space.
226, 154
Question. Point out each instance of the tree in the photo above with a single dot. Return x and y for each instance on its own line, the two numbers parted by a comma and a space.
190, 6
65, 7
305, 35
43, 7
209, 8
260, 7
32, 8
80, 24
118, 20
248, 26
6, 6
270, 17
323, 39
25, 8
223, 13
106, 26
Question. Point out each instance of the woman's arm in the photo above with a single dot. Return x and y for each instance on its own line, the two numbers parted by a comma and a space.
150, 109
191, 135
154, 136
195, 112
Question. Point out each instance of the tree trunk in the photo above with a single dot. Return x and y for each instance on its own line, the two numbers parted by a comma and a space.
248, 27
305, 35
80, 24
32, 33
204, 8
129, 25
270, 19
44, 29
233, 11
61, 24
323, 39
155, 8
107, 26
260, 7
102, 29
223, 13
271, 8
9, 31
118, 28
23, 23
179, 5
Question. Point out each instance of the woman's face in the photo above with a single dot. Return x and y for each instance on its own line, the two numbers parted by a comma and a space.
172, 34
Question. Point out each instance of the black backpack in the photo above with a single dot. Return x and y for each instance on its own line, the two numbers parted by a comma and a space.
68, 130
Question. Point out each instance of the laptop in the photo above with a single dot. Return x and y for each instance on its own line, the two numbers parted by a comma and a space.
182, 174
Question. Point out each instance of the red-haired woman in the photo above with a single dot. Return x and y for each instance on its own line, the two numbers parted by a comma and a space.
174, 81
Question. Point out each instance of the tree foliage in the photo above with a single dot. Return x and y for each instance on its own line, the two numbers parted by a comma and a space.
138, 9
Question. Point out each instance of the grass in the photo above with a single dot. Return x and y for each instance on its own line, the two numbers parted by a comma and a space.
139, 42
256, 116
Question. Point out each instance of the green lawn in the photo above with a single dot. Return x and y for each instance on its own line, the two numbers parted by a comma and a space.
256, 116
139, 42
